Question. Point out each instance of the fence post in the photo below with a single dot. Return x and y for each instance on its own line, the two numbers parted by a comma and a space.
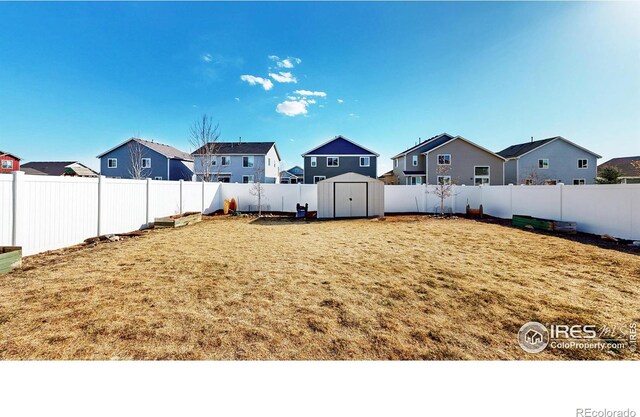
510, 200
18, 209
453, 200
100, 203
149, 201
181, 195
561, 192
203, 196
425, 198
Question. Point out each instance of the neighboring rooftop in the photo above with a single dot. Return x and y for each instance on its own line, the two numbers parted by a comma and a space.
428, 144
10, 154
72, 168
165, 150
240, 148
340, 146
514, 151
624, 165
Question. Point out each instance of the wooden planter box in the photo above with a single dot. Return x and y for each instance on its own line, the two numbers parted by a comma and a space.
10, 258
178, 220
543, 224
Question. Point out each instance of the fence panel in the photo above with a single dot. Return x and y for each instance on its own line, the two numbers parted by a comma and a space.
164, 199
496, 200
405, 199
541, 201
212, 197
6, 209
123, 205
191, 196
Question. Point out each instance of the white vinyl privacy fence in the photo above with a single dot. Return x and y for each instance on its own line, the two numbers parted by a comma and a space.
41, 213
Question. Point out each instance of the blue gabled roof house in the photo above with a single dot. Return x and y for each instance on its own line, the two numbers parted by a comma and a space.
139, 158
338, 156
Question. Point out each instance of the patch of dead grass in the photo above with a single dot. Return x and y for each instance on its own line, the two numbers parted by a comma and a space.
227, 288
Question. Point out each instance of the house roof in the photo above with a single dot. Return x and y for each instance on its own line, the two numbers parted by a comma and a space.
433, 146
516, 151
295, 169
240, 148
439, 139
165, 150
287, 174
624, 165
340, 146
9, 154
386, 173
57, 168
413, 172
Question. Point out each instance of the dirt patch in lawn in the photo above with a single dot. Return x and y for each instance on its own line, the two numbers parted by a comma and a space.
408, 287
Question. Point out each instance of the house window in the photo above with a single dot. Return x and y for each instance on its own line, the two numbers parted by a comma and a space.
214, 161
395, 163
247, 179
415, 180
314, 161
333, 161
550, 182
528, 181
146, 162
481, 175
269, 162
7, 164
444, 179
414, 160
112, 163
157, 178
543, 163
444, 159
247, 161
318, 178
583, 163
226, 161
579, 181
364, 161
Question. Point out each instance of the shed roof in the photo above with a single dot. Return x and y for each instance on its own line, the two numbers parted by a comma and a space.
350, 177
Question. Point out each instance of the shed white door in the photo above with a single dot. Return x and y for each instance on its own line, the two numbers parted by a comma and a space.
350, 199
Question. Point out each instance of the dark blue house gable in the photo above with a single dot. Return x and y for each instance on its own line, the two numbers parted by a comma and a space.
163, 162
337, 157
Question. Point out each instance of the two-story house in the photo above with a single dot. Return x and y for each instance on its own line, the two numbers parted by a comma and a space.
549, 161
242, 162
447, 158
137, 158
293, 175
8, 163
338, 156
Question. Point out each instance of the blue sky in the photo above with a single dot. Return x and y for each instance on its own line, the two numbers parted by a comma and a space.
78, 78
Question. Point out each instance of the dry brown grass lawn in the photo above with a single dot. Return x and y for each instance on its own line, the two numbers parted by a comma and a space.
403, 288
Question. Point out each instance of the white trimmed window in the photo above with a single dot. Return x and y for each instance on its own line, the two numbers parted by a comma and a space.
7, 164
444, 159
583, 163
247, 162
395, 163
112, 163
414, 160
444, 179
226, 161
247, 179
314, 161
146, 162
415, 180
579, 181
317, 178
543, 163
268, 162
528, 181
550, 182
481, 175
365, 161
333, 161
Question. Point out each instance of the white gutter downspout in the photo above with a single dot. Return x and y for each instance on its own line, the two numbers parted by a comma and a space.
168, 174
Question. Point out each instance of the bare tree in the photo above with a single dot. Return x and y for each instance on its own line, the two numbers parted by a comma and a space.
203, 137
137, 170
445, 186
532, 177
257, 189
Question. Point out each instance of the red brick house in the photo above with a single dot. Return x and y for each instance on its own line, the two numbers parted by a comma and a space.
8, 163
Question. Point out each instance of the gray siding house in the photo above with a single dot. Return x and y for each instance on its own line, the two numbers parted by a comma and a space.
445, 158
156, 160
549, 161
241, 162
338, 156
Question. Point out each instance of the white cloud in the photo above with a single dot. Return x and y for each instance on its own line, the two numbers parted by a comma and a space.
292, 108
288, 62
237, 99
283, 77
207, 57
340, 101
311, 101
310, 93
264, 82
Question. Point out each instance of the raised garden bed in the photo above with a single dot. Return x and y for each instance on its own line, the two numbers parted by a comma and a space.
178, 220
10, 258
544, 224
